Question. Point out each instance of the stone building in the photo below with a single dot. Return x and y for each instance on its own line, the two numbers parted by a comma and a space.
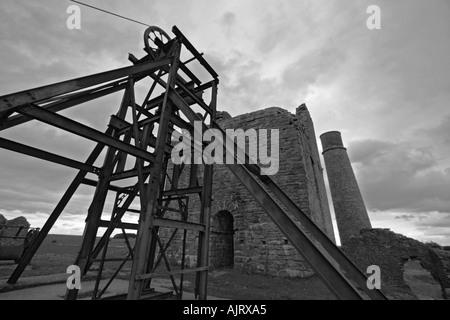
410, 269
12, 234
242, 234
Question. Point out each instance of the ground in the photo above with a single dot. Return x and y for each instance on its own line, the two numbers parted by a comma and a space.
58, 252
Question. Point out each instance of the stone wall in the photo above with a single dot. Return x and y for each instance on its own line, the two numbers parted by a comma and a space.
9, 229
314, 174
259, 246
390, 251
11, 248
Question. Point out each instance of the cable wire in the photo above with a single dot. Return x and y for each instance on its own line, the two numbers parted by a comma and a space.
108, 12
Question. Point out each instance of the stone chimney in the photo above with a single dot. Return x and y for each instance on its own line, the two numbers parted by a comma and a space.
349, 208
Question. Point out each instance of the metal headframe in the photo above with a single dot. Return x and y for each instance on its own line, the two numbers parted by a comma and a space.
141, 135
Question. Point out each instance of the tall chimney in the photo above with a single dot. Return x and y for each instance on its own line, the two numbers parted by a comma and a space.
349, 208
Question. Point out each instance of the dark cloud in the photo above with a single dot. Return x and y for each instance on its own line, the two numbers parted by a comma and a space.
398, 157
275, 31
440, 133
407, 217
243, 85
399, 176
44, 50
442, 222
374, 86
31, 185
368, 150
321, 66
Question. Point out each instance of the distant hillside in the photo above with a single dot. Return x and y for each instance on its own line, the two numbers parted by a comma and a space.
121, 236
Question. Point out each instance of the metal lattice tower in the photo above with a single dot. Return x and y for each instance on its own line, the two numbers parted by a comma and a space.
138, 147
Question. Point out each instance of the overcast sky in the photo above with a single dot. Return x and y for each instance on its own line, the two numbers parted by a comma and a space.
387, 90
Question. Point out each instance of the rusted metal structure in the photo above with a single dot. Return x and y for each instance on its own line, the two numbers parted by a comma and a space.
145, 140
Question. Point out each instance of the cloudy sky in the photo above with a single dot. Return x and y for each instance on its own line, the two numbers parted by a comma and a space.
386, 90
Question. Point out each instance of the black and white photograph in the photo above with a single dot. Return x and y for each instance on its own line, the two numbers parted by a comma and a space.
224, 154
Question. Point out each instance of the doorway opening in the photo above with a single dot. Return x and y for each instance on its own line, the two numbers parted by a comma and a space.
222, 240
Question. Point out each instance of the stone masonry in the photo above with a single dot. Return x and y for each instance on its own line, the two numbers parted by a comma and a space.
349, 208
9, 229
242, 234
12, 233
390, 251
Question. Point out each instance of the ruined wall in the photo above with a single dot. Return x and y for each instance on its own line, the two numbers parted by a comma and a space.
390, 251
259, 247
9, 229
11, 247
315, 179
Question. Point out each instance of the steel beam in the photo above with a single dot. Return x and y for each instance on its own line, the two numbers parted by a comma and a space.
118, 225
61, 105
171, 273
128, 126
43, 104
342, 264
96, 208
93, 183
325, 245
34, 246
128, 174
189, 73
84, 131
161, 222
334, 280
194, 51
183, 191
332, 269
38, 94
195, 98
44, 155
117, 219
198, 91
143, 236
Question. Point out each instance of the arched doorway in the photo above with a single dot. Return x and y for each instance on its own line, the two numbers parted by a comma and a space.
420, 281
222, 240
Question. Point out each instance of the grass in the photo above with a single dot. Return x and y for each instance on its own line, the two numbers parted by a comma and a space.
233, 284
60, 251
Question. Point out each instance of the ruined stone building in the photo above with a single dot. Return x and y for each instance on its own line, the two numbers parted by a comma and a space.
12, 234
243, 236
395, 255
